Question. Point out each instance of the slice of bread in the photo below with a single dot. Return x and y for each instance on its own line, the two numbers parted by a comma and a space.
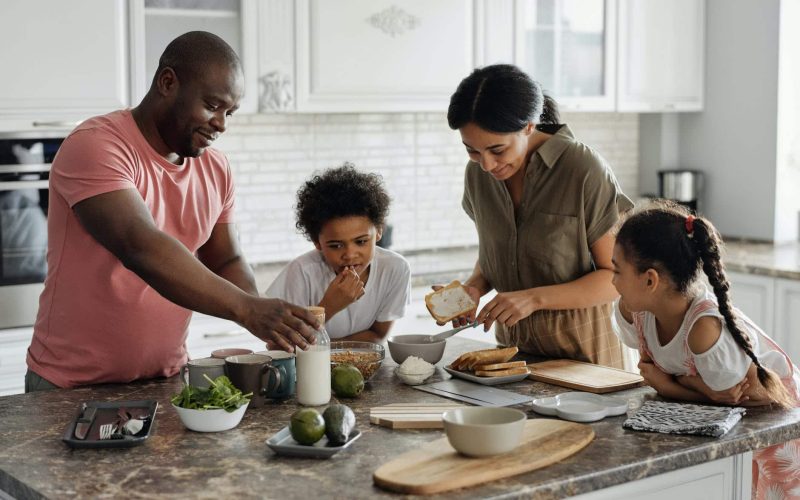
491, 357
461, 362
502, 373
449, 302
500, 366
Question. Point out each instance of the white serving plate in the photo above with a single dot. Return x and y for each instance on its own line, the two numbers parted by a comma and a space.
580, 406
486, 380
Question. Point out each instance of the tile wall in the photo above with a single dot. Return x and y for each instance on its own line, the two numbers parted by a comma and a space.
420, 158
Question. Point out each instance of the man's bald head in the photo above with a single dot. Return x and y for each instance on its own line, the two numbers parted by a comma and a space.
194, 52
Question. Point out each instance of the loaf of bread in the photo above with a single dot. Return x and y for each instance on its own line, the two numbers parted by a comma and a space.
449, 302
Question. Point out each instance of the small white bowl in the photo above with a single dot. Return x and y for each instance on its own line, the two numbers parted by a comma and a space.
484, 431
210, 420
414, 378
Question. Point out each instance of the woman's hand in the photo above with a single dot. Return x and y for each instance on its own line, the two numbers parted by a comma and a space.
508, 308
345, 289
475, 294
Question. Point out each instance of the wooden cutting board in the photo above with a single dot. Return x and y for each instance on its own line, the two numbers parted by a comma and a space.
410, 416
583, 376
437, 467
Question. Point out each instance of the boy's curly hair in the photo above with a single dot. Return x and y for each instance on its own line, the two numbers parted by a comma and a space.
340, 192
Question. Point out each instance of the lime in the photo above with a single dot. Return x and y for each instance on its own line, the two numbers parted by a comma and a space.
307, 426
346, 381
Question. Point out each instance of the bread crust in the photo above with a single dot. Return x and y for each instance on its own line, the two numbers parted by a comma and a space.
456, 295
473, 359
519, 370
501, 366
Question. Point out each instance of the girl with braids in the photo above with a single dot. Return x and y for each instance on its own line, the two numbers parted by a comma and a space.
363, 288
695, 346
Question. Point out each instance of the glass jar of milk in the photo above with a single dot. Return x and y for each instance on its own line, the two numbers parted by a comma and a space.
314, 366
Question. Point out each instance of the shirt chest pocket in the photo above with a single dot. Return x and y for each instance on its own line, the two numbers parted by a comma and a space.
552, 241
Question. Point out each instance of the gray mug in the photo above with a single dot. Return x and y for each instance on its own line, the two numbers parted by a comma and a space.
284, 362
253, 373
196, 368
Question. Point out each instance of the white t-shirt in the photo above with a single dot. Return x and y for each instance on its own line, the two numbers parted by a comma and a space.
721, 367
388, 291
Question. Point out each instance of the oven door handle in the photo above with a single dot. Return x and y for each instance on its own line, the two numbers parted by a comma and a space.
15, 185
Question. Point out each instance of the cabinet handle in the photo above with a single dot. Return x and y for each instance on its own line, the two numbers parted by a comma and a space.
228, 333
57, 124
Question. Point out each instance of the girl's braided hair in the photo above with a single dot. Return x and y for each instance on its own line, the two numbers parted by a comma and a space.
659, 237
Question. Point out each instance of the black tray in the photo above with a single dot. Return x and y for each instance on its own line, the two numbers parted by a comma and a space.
106, 413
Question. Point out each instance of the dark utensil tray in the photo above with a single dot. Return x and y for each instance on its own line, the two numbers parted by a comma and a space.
107, 413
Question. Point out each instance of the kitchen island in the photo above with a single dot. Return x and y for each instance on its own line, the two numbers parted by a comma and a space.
178, 463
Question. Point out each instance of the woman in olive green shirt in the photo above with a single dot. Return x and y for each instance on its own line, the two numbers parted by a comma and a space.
543, 204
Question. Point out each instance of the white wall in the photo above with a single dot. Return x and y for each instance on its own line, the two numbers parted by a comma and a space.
421, 159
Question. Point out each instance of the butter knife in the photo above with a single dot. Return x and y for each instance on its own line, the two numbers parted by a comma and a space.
85, 421
449, 333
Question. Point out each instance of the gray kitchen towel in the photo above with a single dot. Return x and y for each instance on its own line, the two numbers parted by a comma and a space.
680, 418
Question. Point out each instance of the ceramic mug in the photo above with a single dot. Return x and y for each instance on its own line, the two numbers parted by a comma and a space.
284, 362
231, 351
254, 373
196, 368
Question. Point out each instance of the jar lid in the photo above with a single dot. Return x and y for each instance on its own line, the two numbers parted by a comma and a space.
317, 311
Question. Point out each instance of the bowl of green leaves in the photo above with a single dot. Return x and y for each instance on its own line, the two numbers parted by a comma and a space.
218, 408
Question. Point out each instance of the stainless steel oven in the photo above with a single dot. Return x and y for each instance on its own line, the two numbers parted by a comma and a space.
24, 173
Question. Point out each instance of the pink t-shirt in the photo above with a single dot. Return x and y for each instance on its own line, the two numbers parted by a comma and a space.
99, 322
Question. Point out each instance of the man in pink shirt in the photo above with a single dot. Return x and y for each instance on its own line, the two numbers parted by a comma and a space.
141, 233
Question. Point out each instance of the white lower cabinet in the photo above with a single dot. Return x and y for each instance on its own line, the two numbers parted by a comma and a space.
787, 317
14, 344
725, 479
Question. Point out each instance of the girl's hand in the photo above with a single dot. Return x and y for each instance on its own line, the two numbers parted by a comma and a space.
507, 308
345, 289
467, 318
733, 396
653, 376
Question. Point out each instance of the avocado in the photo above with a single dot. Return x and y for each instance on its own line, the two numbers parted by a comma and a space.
339, 423
346, 381
307, 426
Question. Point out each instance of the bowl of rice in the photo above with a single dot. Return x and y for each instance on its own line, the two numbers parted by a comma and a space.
366, 356
414, 371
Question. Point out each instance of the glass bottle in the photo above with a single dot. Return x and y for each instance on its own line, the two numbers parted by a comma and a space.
314, 366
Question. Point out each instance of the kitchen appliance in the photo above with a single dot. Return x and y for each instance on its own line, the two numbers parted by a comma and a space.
24, 173
683, 186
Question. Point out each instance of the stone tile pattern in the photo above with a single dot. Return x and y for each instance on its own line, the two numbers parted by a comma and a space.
177, 463
421, 159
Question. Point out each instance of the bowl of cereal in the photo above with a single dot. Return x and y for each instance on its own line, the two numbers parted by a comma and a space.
366, 356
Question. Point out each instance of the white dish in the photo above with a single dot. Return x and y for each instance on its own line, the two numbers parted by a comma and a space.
580, 406
486, 380
210, 420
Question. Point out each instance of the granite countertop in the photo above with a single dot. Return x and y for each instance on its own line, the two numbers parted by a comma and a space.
779, 260
175, 462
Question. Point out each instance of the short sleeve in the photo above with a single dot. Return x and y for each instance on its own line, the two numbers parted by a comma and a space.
398, 294
92, 162
291, 285
603, 199
466, 199
724, 365
624, 330
228, 195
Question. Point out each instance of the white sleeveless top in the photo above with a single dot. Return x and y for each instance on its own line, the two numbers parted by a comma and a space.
722, 366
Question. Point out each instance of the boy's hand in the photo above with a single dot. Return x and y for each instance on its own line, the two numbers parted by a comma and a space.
345, 289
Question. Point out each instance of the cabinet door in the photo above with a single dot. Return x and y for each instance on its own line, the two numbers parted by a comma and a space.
155, 23
569, 46
63, 59
755, 296
661, 55
380, 55
14, 344
787, 317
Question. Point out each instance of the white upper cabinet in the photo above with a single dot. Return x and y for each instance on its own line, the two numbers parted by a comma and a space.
569, 47
364, 55
62, 60
661, 55
155, 23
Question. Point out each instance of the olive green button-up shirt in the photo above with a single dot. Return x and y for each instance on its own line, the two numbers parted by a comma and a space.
570, 199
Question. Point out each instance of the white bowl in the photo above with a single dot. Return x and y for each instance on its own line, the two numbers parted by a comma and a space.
414, 378
484, 431
210, 420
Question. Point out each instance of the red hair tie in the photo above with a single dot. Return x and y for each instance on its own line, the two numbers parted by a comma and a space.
689, 223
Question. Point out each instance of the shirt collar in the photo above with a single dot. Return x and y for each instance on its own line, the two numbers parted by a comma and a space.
553, 147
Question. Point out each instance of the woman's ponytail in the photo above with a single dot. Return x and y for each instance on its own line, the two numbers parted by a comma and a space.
708, 247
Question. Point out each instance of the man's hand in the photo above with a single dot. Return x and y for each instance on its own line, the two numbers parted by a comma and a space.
346, 288
475, 294
281, 324
508, 308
